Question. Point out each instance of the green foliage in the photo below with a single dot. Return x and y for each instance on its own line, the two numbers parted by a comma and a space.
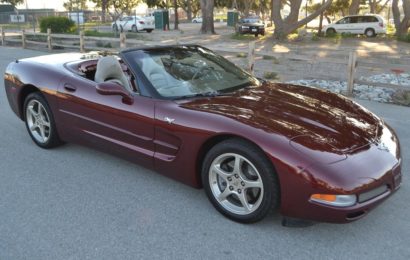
405, 38
401, 97
270, 75
57, 24
12, 2
315, 37
241, 55
72, 5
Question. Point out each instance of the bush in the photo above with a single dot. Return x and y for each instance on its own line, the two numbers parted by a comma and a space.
405, 38
57, 24
270, 75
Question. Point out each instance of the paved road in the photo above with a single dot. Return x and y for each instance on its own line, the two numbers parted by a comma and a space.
78, 203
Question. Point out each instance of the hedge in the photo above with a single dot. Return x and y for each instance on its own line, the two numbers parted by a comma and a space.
57, 24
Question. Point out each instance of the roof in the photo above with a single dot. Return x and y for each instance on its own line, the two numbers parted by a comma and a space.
4, 8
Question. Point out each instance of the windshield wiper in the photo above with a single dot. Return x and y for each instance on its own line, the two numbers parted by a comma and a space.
207, 94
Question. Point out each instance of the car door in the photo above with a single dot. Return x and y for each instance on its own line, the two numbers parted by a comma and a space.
354, 25
105, 121
342, 25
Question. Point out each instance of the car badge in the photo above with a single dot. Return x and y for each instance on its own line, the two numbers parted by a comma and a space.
383, 147
169, 120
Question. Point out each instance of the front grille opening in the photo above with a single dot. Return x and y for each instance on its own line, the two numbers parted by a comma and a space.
373, 193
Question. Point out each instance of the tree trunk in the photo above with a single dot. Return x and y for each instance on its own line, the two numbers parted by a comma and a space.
189, 10
103, 10
321, 20
176, 21
354, 7
291, 23
402, 26
207, 8
372, 4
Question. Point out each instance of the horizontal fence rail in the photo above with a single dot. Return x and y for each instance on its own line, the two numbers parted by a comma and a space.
340, 64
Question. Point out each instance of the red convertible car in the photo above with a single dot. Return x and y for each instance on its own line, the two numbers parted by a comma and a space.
192, 115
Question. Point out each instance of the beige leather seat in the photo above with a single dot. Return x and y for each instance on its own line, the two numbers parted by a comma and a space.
109, 69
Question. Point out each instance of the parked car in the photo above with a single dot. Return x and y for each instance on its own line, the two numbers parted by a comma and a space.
369, 25
250, 25
197, 20
194, 116
133, 23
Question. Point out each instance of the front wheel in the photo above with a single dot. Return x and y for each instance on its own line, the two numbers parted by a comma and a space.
40, 121
240, 181
330, 31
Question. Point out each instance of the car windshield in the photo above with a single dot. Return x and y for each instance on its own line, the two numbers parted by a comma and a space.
188, 71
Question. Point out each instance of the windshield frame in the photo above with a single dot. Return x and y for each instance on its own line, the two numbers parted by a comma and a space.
149, 90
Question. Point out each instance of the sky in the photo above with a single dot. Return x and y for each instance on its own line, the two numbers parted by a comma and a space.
52, 4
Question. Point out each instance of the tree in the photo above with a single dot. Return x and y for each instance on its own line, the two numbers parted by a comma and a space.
75, 5
207, 8
103, 4
354, 7
12, 2
338, 6
284, 26
123, 6
176, 15
402, 25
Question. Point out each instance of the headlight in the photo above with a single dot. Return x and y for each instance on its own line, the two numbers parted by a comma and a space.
334, 200
245, 27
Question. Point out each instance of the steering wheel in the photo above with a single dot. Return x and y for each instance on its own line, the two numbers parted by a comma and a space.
201, 69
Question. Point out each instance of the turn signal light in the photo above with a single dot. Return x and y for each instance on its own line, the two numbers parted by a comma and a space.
334, 200
326, 197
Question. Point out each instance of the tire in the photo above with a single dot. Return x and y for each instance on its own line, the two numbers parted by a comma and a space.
230, 188
256, 34
134, 28
330, 31
195, 21
115, 28
370, 33
121, 29
149, 30
40, 122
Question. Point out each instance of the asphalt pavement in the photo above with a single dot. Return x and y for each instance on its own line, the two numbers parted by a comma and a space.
77, 203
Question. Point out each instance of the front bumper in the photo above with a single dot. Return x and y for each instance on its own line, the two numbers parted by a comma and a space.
251, 30
302, 207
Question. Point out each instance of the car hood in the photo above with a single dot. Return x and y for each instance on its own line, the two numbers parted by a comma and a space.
310, 118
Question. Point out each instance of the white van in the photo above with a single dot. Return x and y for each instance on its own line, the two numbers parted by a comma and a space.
369, 25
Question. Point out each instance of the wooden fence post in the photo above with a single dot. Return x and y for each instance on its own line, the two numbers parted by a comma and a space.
23, 39
251, 57
351, 71
2, 36
50, 47
123, 38
82, 49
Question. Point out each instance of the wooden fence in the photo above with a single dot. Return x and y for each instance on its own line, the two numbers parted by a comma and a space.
339, 64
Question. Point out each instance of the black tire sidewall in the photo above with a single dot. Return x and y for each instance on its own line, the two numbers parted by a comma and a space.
54, 139
268, 175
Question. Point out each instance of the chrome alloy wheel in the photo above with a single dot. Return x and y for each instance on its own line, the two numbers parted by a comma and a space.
236, 183
38, 121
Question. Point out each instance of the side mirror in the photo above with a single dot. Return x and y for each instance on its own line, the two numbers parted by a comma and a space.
112, 89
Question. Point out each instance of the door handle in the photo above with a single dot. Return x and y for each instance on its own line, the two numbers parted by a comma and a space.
70, 87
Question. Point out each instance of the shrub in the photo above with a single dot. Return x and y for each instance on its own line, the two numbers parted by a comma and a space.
405, 38
57, 24
241, 55
270, 75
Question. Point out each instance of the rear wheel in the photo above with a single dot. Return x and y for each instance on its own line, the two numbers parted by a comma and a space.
240, 181
370, 32
40, 121
115, 28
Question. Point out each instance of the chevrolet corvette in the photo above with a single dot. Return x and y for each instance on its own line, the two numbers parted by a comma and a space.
190, 114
